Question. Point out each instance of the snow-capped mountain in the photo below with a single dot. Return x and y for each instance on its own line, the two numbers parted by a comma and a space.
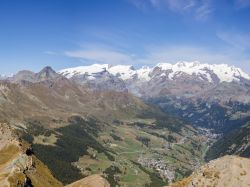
204, 72
180, 79
95, 76
94, 71
91, 70
2, 77
183, 79
206, 95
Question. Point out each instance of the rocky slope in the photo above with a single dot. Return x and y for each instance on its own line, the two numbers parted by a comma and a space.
62, 98
230, 171
18, 165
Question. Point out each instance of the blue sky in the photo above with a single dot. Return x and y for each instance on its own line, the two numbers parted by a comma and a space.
68, 33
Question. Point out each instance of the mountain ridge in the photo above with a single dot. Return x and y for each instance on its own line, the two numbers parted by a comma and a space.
57, 115
187, 95
205, 72
189, 90
99, 131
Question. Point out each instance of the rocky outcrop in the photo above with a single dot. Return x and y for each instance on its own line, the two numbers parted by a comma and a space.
17, 168
229, 171
13, 161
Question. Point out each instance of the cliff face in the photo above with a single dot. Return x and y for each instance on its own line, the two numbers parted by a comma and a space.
227, 171
19, 166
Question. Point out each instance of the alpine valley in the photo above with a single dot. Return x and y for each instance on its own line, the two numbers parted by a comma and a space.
113, 125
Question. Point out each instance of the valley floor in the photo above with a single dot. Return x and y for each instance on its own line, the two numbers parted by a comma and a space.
126, 155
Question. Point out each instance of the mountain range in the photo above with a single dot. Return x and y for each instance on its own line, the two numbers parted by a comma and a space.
206, 72
202, 94
144, 127
77, 131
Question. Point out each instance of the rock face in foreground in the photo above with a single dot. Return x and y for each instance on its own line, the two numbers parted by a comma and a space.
18, 167
229, 171
91, 181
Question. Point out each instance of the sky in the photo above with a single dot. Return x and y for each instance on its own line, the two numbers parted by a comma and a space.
69, 33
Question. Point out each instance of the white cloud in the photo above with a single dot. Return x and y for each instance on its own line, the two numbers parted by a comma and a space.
199, 9
140, 4
238, 40
101, 56
180, 5
204, 11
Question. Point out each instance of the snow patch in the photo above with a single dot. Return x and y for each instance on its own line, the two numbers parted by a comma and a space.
90, 70
122, 71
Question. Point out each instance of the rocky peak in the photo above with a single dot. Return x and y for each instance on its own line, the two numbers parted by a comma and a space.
46, 73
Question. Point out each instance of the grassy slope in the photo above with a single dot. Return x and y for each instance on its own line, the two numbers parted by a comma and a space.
89, 147
44, 108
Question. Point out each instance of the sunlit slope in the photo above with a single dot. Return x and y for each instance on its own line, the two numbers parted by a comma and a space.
16, 165
77, 132
227, 171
